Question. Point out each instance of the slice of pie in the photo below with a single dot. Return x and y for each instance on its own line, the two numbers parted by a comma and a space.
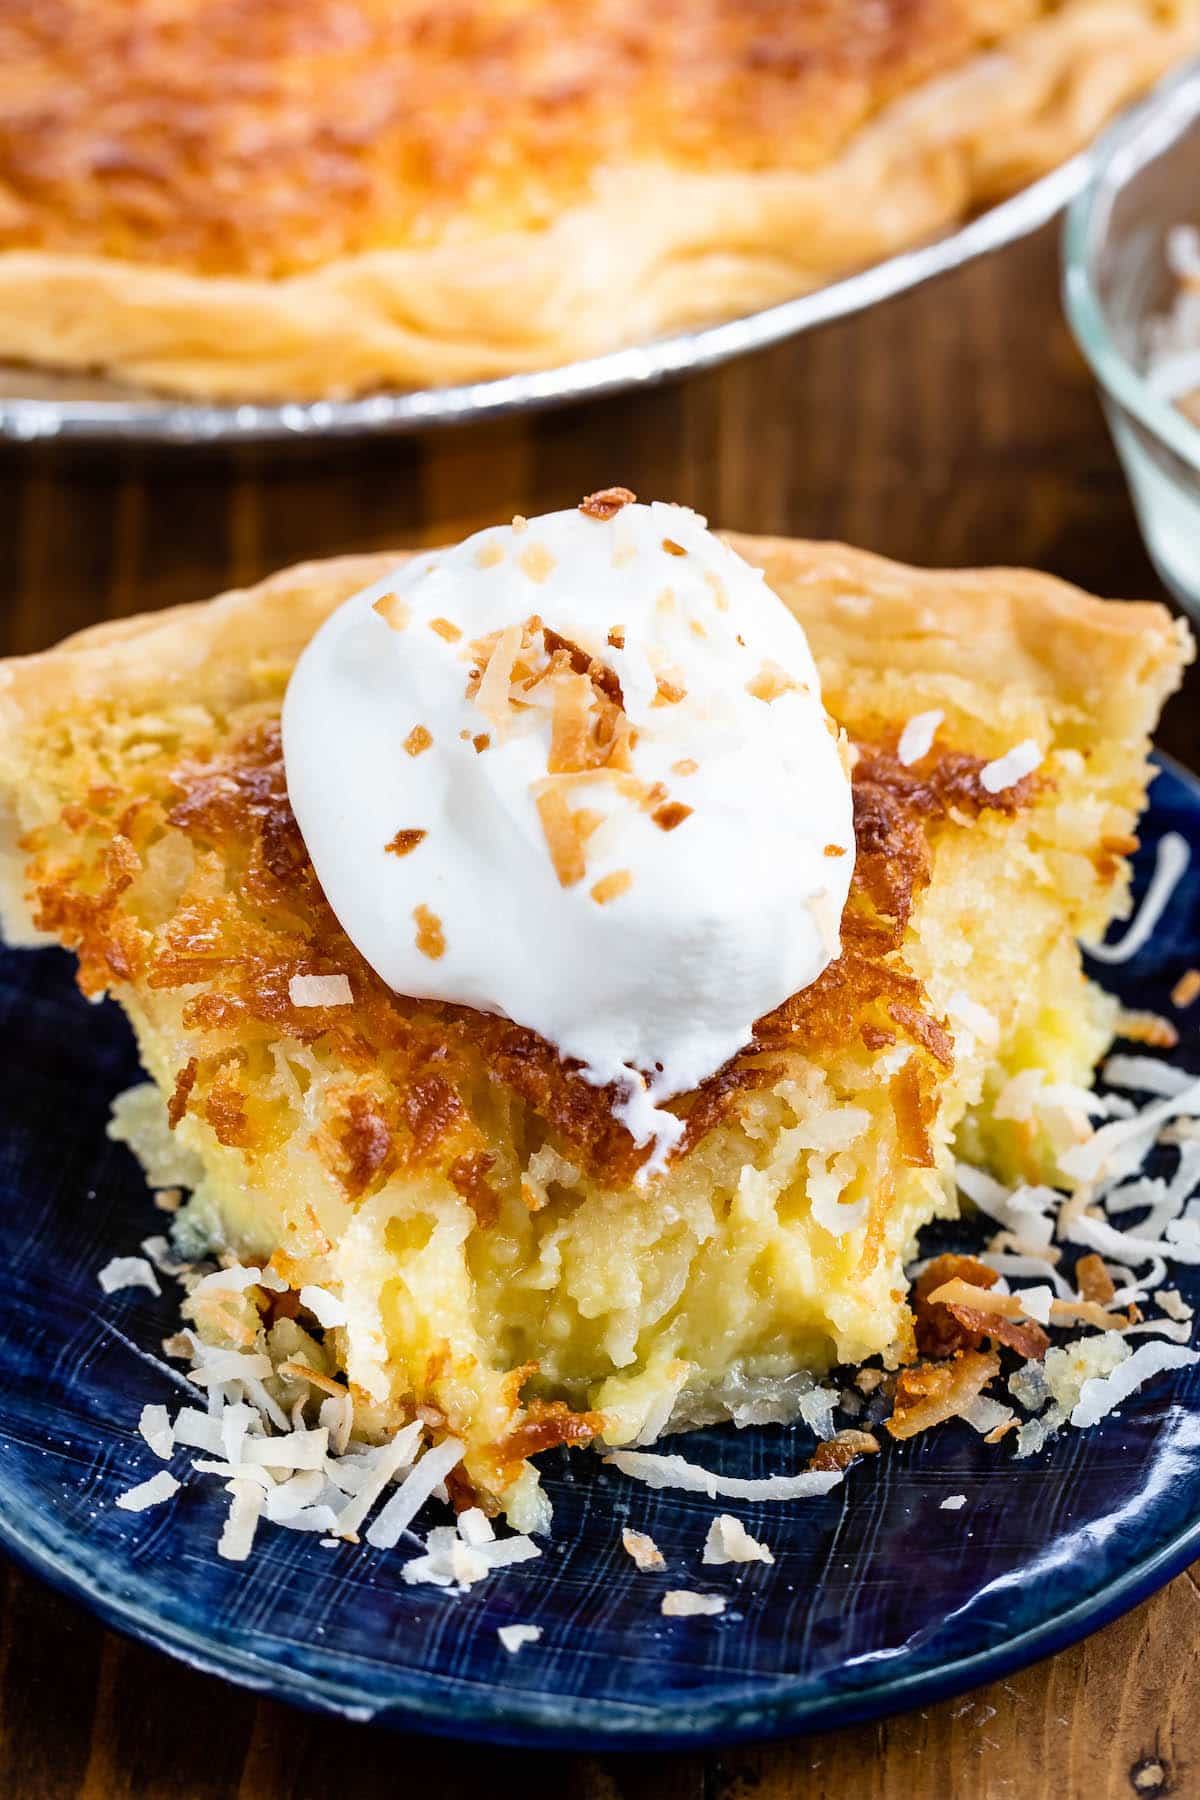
500, 1265
318, 197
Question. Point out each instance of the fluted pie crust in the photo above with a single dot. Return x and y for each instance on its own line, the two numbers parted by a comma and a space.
272, 199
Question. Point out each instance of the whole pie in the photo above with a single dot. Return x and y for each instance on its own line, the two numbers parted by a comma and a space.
477, 1211
302, 198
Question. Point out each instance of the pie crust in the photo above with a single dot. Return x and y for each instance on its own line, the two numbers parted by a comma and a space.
158, 729
524, 268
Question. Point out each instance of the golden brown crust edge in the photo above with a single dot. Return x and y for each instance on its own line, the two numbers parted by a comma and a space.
1116, 661
661, 251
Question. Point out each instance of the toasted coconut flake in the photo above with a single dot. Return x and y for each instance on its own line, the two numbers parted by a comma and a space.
938, 1331
1171, 860
566, 832
952, 1503
676, 1472
128, 1272
1102, 1393
406, 841
728, 1541
1093, 1279
419, 739
671, 815
672, 548
446, 628
492, 695
770, 682
1187, 989
932, 1392
683, 1603
430, 940
1142, 1027
668, 693
839, 1451
392, 610
300, 1371
320, 990
160, 1487
536, 562
916, 740
1005, 771
606, 502
611, 887
644, 1551
514, 1636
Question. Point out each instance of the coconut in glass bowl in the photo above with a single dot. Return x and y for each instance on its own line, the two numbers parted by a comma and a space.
1132, 291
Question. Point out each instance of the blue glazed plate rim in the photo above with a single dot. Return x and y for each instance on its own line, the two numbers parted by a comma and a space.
503, 1714
506, 1716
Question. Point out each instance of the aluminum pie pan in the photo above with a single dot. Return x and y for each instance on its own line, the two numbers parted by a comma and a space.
37, 405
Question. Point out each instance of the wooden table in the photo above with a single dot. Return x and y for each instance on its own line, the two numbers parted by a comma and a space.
956, 425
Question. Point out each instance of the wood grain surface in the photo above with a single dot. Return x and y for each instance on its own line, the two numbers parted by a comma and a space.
955, 425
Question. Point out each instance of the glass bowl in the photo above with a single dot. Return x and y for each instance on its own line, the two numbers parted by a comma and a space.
1119, 287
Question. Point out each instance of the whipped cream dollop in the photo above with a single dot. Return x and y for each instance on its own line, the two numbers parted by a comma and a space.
577, 771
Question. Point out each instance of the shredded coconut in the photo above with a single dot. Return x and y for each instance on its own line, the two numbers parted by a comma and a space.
404, 1505
1170, 862
325, 1307
676, 1472
1100, 1394
729, 1541
1005, 771
952, 1503
916, 740
160, 1487
128, 1272
320, 990
514, 1636
682, 1603
155, 1427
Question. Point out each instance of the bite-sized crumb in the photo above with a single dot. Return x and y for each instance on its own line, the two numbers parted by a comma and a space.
514, 1636
952, 1503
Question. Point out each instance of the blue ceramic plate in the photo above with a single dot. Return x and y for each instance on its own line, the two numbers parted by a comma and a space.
876, 1599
